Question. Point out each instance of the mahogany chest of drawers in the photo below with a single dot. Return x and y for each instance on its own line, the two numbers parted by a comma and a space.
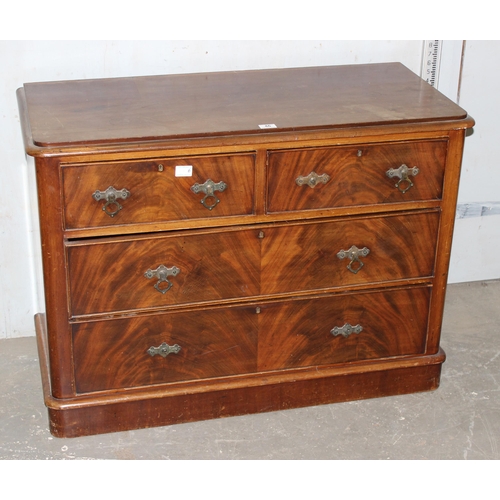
225, 243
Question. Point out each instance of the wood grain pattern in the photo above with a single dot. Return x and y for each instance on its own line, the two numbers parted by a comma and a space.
54, 276
127, 414
357, 175
113, 354
157, 195
208, 104
297, 333
218, 265
304, 257
214, 343
109, 275
259, 274
113, 412
448, 218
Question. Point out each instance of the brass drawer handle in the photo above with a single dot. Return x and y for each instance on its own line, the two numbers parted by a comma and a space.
162, 273
163, 350
208, 188
346, 330
111, 195
403, 173
312, 179
354, 253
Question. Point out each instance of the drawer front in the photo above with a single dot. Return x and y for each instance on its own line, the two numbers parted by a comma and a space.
138, 272
355, 175
320, 255
372, 325
158, 190
125, 353
134, 273
196, 345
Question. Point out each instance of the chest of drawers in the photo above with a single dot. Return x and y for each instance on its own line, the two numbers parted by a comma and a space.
225, 243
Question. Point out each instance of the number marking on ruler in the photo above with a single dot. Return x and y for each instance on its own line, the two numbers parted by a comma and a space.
431, 59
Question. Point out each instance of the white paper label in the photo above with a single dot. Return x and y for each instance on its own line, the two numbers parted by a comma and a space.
183, 170
268, 125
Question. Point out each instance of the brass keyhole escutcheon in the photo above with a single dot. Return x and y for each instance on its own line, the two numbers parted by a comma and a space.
163, 350
312, 180
346, 330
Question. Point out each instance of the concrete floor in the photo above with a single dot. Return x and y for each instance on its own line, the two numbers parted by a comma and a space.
459, 421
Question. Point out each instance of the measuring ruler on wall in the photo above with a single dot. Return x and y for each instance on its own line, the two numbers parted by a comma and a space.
431, 59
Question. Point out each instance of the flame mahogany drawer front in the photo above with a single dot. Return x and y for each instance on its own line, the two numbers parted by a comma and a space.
226, 243
306, 179
159, 190
197, 345
204, 344
156, 271
341, 329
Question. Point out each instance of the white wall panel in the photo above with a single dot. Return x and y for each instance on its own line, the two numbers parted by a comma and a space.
477, 232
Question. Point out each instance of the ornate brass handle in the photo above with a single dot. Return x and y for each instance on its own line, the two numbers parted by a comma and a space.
402, 173
346, 330
162, 273
209, 187
312, 179
163, 350
354, 253
111, 195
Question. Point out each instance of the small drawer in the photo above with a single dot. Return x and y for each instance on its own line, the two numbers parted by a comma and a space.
158, 349
139, 272
309, 179
352, 251
341, 329
158, 190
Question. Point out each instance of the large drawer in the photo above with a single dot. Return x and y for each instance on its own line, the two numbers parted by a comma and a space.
157, 190
125, 353
352, 251
319, 178
345, 328
139, 272
226, 341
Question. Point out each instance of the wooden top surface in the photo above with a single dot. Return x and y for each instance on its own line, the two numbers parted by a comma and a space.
210, 104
